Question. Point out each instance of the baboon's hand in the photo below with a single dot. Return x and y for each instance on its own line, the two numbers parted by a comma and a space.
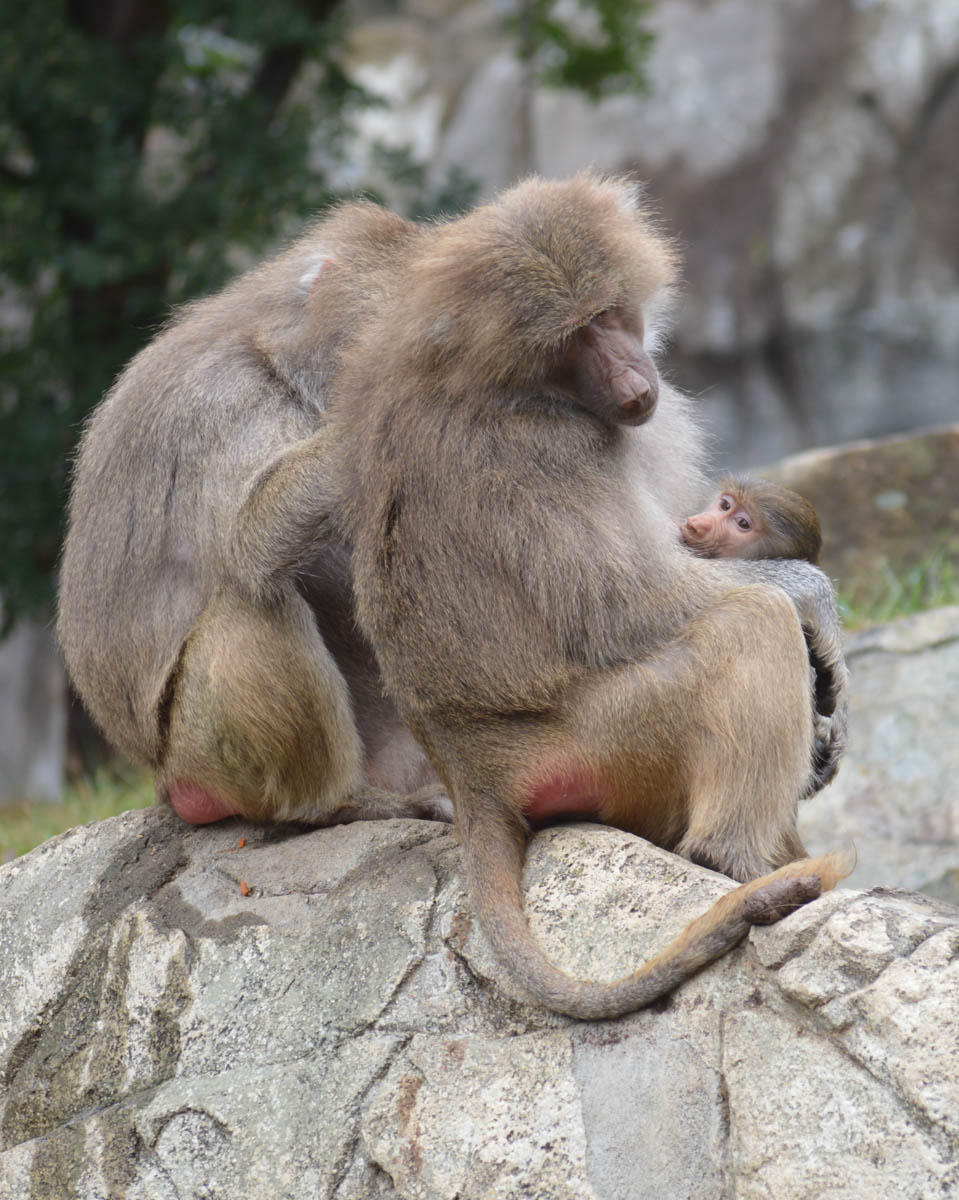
829, 742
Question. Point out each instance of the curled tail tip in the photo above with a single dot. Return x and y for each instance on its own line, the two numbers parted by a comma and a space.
847, 859
838, 865
831, 868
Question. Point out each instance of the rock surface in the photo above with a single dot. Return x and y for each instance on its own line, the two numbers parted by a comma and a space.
803, 152
896, 796
341, 1030
889, 509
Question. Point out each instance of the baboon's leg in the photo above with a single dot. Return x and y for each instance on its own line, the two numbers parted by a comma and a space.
752, 756
710, 739
260, 724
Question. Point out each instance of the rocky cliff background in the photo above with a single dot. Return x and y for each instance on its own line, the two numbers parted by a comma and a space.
804, 152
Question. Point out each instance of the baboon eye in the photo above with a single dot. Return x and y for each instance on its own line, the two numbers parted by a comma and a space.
743, 523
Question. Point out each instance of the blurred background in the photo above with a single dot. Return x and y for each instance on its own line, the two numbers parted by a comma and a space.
805, 153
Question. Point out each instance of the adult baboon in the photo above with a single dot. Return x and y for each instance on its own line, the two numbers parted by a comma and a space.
513, 476
205, 610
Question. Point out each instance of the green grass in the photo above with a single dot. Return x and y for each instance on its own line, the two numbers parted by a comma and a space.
932, 583
23, 826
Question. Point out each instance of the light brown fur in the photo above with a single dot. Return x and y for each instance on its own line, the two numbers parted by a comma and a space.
204, 595
517, 569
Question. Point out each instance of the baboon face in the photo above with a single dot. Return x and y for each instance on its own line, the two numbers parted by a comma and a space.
729, 528
754, 519
604, 369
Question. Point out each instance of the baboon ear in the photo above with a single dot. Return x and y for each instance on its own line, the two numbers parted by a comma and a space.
316, 265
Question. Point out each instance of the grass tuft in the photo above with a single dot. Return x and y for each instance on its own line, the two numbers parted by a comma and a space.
932, 583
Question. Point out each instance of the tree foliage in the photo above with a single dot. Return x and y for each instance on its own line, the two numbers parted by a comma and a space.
598, 47
141, 141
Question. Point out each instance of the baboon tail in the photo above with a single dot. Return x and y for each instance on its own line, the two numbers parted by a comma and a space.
495, 843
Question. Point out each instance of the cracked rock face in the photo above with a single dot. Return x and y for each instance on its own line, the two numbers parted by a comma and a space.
315, 1015
896, 796
804, 152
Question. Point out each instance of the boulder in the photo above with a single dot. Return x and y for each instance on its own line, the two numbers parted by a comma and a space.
896, 797
889, 509
315, 1014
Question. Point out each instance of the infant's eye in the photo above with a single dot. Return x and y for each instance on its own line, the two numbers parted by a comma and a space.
743, 523
725, 503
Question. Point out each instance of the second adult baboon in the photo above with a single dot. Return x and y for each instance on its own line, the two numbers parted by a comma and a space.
205, 598
754, 518
513, 475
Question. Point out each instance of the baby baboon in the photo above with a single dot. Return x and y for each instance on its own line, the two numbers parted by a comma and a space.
513, 475
753, 518
759, 519
205, 610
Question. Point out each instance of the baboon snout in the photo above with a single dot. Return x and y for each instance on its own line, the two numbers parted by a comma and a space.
637, 397
698, 524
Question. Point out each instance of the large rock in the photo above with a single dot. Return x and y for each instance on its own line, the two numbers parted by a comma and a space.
341, 1030
896, 797
889, 510
804, 153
